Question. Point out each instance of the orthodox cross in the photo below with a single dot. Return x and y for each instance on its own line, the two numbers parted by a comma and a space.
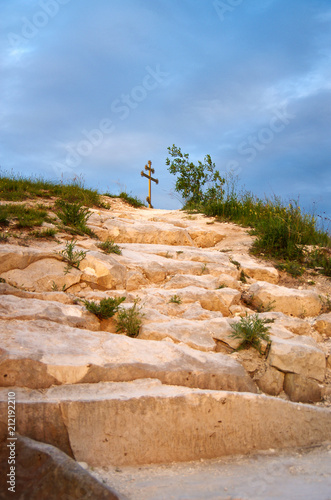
150, 178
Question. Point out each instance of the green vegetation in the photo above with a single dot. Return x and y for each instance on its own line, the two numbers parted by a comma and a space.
175, 299
243, 276
319, 259
71, 256
22, 216
18, 188
251, 330
106, 307
45, 233
134, 201
109, 246
292, 268
129, 320
326, 304
192, 179
282, 230
55, 287
75, 216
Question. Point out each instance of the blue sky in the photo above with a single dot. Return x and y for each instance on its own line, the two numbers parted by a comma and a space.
96, 89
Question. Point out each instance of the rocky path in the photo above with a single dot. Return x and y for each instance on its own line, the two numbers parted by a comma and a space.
300, 474
179, 391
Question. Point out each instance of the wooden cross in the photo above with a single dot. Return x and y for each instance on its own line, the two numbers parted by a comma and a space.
150, 178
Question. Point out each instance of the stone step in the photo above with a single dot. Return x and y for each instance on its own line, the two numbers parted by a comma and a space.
145, 422
38, 354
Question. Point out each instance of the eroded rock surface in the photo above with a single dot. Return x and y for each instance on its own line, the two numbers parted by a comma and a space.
103, 397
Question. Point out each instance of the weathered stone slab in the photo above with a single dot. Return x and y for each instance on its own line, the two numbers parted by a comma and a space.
300, 355
43, 275
297, 326
302, 389
271, 382
62, 297
43, 471
15, 257
256, 270
323, 324
103, 270
205, 239
185, 280
139, 422
192, 333
289, 301
124, 231
41, 353
12, 307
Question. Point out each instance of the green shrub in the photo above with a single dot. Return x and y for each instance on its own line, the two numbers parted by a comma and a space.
129, 320
23, 216
192, 179
282, 230
14, 187
320, 261
72, 214
134, 201
250, 330
71, 256
175, 299
110, 247
292, 268
45, 233
106, 307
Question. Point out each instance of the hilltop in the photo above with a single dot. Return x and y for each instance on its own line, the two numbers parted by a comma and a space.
162, 379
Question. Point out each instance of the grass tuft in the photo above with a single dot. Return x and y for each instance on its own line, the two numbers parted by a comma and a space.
109, 246
129, 320
106, 307
71, 256
251, 330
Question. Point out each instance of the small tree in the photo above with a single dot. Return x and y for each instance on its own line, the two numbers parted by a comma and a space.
192, 178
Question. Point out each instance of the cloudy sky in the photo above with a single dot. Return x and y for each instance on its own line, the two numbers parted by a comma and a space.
96, 89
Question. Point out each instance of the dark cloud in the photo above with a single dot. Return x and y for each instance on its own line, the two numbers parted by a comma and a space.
163, 73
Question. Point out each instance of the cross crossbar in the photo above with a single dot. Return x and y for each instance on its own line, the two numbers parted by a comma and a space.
150, 178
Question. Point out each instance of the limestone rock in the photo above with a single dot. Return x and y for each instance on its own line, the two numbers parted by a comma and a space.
124, 231
302, 389
205, 239
300, 355
323, 324
12, 307
271, 382
297, 326
185, 280
212, 300
191, 333
139, 422
103, 270
43, 471
155, 272
289, 301
196, 334
256, 270
135, 280
39, 354
14, 257
43, 275
62, 297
